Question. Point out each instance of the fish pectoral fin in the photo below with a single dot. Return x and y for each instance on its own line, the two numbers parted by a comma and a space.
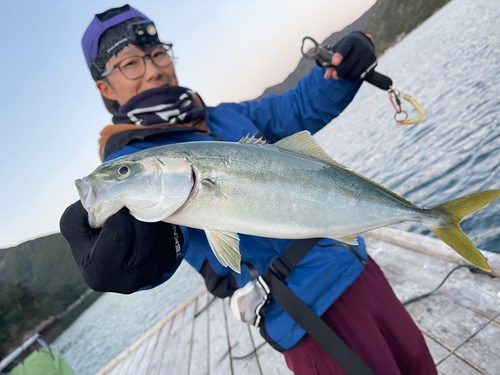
211, 184
350, 240
226, 247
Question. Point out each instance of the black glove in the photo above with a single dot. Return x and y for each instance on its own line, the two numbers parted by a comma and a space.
358, 56
124, 255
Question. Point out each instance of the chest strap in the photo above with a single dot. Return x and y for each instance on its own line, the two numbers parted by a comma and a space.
281, 268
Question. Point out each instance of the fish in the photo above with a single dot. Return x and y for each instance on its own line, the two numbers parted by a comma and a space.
291, 189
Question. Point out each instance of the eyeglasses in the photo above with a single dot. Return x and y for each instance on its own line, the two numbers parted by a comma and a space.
134, 67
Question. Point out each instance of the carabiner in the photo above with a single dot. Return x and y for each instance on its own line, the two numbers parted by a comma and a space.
394, 97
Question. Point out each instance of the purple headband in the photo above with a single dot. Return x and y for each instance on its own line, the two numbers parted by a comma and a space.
90, 40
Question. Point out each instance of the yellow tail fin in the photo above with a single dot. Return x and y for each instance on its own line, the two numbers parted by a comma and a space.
449, 231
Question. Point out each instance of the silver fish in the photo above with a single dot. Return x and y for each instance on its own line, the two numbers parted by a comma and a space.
290, 189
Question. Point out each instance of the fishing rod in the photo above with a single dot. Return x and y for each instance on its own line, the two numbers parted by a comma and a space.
324, 54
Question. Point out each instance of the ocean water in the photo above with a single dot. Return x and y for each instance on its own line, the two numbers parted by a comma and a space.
116, 321
451, 65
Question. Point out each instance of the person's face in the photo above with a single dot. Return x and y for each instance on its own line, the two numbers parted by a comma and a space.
118, 87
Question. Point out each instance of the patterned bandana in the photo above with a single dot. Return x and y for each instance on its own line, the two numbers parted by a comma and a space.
167, 105
153, 113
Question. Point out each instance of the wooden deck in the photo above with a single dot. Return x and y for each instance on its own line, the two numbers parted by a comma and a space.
197, 339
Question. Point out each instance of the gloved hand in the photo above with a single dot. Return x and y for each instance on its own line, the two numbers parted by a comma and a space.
354, 54
124, 255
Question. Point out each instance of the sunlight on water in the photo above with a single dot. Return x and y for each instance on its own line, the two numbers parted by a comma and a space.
456, 150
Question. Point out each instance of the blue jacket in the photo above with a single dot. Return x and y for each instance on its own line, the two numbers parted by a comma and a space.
325, 272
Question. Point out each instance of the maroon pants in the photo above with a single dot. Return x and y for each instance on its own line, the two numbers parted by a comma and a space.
374, 324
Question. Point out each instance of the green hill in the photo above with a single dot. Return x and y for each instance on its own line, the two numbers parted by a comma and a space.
38, 279
43, 264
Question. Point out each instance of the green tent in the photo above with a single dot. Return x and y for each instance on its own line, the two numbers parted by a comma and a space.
41, 362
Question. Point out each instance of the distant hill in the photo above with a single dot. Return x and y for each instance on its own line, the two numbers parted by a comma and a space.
43, 264
387, 21
38, 279
391, 20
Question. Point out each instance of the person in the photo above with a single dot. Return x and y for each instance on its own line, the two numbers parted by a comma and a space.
135, 74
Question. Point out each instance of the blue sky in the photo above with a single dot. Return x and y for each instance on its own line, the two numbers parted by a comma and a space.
52, 113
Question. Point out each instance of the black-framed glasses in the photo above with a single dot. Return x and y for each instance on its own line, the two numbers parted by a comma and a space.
134, 67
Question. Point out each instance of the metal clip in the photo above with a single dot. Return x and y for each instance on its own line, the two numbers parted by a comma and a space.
394, 97
322, 54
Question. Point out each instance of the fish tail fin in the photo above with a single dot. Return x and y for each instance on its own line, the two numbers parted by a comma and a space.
447, 227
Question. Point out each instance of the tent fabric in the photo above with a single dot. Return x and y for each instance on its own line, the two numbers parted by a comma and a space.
40, 362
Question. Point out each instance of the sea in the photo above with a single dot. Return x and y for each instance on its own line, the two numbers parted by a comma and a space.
451, 65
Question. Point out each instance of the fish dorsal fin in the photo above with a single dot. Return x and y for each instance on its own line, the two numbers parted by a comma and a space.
252, 141
303, 144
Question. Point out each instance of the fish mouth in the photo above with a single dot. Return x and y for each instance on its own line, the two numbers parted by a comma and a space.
87, 190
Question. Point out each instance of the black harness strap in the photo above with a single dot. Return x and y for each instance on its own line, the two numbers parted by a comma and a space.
281, 268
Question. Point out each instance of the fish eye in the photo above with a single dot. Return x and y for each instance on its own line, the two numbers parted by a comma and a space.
123, 171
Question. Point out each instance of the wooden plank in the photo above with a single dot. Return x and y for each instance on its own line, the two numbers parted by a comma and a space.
140, 364
474, 291
449, 323
122, 367
256, 337
220, 353
152, 332
437, 350
415, 266
158, 349
483, 350
169, 349
145, 361
446, 322
130, 362
453, 365
199, 358
429, 245
191, 339
183, 342
116, 369
413, 274
240, 341
456, 366
410, 273
271, 361
452, 314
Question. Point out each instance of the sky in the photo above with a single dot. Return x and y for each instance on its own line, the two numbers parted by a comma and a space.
51, 112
